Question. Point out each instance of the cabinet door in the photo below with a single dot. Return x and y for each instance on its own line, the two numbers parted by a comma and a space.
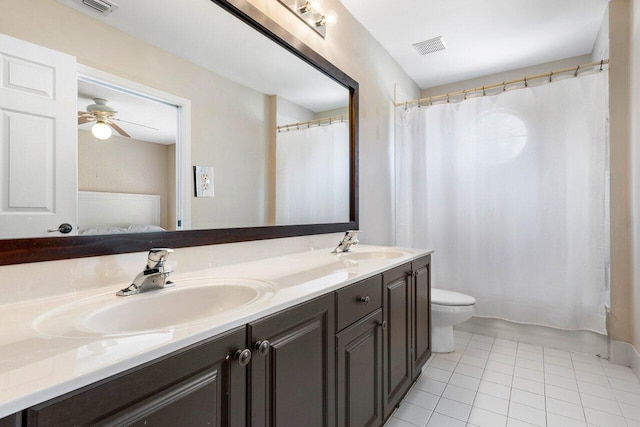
421, 314
201, 385
397, 335
359, 367
293, 380
11, 421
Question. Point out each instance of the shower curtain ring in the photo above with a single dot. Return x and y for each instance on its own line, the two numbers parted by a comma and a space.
484, 92
601, 62
526, 84
576, 73
550, 76
447, 98
430, 102
504, 86
465, 95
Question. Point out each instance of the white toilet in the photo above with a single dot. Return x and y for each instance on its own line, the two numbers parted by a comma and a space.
447, 309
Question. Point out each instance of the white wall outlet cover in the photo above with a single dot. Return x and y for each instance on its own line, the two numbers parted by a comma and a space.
203, 179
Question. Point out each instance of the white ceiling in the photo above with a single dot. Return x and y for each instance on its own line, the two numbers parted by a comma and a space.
483, 37
205, 34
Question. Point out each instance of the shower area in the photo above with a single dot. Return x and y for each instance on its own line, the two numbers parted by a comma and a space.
509, 183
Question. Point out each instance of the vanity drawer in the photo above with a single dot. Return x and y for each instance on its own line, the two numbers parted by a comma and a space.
357, 300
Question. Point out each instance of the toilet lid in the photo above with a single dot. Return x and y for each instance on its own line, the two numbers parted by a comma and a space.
442, 297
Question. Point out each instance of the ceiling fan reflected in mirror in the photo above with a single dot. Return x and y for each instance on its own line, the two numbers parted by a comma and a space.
103, 116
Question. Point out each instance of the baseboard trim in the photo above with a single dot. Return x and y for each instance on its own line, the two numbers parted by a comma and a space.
577, 341
620, 352
635, 361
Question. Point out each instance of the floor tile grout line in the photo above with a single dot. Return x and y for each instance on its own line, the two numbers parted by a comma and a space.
613, 390
448, 381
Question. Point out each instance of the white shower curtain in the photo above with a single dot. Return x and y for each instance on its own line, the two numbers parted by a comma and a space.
312, 175
509, 191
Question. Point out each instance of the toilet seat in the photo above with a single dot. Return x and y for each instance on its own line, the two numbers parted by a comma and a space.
450, 298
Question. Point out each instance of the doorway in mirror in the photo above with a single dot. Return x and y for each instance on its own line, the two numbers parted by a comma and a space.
129, 179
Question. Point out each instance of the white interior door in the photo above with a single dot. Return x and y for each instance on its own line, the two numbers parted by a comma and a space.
38, 140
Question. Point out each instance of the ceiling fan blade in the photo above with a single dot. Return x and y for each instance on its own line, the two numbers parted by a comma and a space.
118, 129
134, 123
82, 120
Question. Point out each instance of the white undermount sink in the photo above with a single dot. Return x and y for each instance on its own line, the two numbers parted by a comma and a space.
380, 254
190, 301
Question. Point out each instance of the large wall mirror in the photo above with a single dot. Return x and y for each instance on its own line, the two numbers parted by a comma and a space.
164, 123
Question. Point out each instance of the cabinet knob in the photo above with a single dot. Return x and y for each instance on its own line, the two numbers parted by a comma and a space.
243, 357
365, 300
383, 324
262, 347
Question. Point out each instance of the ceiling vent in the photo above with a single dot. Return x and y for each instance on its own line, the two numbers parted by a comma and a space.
429, 46
102, 7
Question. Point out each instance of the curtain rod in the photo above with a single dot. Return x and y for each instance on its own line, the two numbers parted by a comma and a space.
341, 119
506, 83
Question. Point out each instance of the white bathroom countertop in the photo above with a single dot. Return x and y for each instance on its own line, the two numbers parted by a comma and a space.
36, 366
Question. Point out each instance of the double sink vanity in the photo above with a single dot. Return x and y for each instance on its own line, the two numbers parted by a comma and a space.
313, 339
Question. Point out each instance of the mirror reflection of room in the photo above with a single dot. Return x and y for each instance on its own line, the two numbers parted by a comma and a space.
126, 168
162, 79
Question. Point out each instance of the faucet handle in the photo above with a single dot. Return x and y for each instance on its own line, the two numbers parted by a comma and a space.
352, 236
157, 257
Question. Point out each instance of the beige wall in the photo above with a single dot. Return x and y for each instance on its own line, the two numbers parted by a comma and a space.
351, 47
127, 165
219, 107
635, 168
619, 320
507, 75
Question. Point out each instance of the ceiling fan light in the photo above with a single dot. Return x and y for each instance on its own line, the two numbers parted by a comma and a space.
101, 130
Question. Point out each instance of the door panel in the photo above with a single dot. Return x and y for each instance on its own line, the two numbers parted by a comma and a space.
421, 332
397, 335
201, 385
293, 384
12, 421
359, 368
38, 139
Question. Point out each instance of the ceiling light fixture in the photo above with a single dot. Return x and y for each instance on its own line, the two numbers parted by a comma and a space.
310, 11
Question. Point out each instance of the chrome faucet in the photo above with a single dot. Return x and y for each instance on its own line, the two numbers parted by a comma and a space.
350, 239
154, 275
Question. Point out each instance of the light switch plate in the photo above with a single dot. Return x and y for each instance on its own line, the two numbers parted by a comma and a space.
203, 178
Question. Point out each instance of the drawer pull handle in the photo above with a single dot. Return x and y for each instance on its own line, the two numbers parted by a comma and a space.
365, 300
262, 347
383, 324
243, 357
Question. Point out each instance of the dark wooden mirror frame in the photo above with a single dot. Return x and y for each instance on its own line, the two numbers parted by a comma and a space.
19, 251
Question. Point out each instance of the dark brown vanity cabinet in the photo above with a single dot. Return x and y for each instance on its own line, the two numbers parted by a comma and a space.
344, 359
359, 354
292, 379
407, 309
11, 421
420, 314
203, 385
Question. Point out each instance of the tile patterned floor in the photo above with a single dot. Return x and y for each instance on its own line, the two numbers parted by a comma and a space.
491, 382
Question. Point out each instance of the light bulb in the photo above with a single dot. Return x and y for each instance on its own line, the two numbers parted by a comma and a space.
331, 18
101, 130
316, 5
